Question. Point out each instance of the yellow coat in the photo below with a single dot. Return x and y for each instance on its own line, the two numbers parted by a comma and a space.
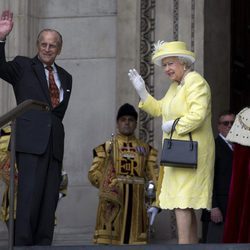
182, 187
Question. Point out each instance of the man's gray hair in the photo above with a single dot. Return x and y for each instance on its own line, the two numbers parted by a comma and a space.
60, 40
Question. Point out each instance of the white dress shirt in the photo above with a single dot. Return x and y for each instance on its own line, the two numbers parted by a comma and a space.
226, 141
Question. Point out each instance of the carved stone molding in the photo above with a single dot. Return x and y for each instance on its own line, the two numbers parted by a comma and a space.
192, 24
146, 124
175, 19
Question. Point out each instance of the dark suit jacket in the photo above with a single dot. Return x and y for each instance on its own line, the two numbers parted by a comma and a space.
222, 176
34, 128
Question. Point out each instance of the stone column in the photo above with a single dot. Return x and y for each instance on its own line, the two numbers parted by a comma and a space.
17, 43
176, 20
128, 49
170, 20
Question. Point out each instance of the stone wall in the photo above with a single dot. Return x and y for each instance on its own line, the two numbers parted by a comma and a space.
102, 41
89, 54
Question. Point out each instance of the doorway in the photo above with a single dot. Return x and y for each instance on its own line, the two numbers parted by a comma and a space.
240, 55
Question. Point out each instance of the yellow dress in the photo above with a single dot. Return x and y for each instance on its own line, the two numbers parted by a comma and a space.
182, 187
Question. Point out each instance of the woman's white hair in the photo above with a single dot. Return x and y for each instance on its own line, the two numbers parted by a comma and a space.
186, 61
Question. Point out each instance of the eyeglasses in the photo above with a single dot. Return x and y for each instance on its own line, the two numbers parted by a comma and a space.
226, 123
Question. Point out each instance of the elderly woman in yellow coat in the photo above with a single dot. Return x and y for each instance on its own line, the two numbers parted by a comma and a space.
188, 97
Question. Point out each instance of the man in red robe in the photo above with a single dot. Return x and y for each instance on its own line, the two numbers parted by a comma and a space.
237, 225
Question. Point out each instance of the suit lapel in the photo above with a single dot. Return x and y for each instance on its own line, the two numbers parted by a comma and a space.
40, 74
63, 80
224, 144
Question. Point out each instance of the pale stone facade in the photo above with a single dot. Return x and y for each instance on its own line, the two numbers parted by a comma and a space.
102, 40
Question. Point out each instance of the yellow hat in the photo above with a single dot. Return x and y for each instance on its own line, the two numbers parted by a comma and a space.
169, 49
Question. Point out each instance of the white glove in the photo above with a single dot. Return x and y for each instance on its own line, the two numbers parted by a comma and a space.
60, 196
152, 212
167, 126
138, 84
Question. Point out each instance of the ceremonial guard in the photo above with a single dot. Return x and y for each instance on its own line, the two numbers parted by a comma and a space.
121, 169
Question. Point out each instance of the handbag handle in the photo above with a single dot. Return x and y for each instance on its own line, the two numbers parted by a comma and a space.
172, 131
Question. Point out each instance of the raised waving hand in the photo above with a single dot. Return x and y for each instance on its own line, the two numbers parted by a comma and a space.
138, 84
6, 24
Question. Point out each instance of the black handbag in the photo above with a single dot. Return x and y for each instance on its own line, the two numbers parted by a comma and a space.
179, 153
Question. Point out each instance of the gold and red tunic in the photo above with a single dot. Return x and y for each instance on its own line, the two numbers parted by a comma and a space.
120, 170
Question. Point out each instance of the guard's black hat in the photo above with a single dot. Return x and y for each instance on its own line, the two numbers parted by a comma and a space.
127, 109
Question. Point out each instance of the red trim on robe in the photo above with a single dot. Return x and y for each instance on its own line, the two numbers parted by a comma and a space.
237, 224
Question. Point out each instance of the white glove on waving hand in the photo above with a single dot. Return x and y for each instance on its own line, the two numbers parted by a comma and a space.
138, 84
167, 126
152, 212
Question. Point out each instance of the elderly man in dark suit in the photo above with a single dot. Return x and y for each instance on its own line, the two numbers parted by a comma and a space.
214, 219
39, 135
